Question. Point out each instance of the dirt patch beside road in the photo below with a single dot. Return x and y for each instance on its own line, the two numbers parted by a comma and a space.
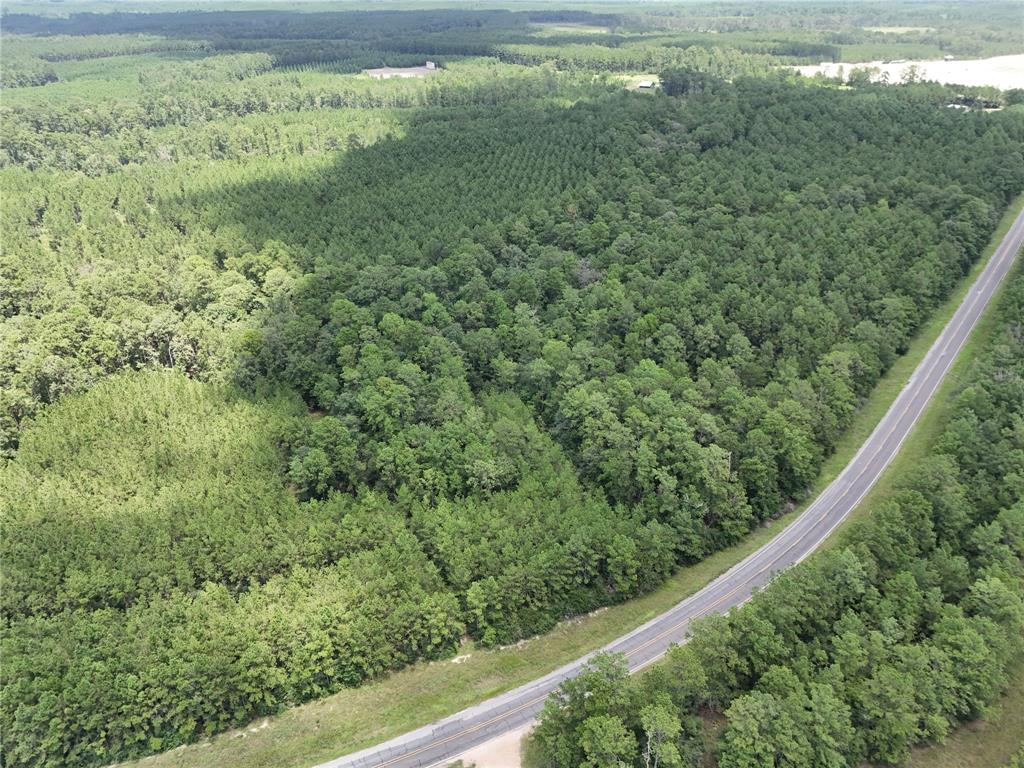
505, 751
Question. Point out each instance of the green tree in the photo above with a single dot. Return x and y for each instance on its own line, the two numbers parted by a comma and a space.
607, 743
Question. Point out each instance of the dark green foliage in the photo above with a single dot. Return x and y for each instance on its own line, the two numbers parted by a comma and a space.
602, 719
695, 347
866, 650
461, 355
25, 71
685, 81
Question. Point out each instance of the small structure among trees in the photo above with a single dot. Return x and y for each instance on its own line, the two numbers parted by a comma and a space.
384, 73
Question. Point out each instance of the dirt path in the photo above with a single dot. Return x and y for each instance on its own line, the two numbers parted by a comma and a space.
500, 752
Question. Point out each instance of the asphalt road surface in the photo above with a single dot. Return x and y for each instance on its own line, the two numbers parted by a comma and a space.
443, 741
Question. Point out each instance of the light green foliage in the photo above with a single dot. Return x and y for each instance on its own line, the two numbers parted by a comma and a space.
160, 576
660, 731
606, 743
181, 484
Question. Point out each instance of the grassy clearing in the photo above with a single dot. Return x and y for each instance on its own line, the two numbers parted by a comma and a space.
353, 719
986, 743
898, 48
632, 81
899, 30
548, 29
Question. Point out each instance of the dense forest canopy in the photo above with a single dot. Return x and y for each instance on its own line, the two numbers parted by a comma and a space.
305, 376
892, 639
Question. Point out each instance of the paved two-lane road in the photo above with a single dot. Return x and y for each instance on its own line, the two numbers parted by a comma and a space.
445, 739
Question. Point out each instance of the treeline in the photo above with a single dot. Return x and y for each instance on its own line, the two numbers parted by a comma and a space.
888, 641
162, 582
342, 56
839, 31
552, 347
696, 346
195, 95
722, 62
375, 26
205, 73
76, 47
20, 71
821, 15
29, 62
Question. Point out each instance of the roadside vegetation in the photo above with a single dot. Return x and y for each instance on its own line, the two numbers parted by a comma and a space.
994, 741
306, 377
357, 718
906, 629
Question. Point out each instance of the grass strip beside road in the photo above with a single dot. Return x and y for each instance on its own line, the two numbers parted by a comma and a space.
922, 438
356, 718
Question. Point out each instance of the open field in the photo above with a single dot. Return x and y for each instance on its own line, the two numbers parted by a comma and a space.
999, 71
568, 28
384, 73
899, 30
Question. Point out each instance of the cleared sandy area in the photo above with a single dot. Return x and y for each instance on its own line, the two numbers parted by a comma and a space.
999, 71
569, 28
899, 30
384, 73
501, 752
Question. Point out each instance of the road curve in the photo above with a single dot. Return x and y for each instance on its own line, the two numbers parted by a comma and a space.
442, 741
